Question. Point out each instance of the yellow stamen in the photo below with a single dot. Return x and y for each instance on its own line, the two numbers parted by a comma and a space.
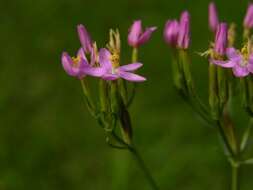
115, 60
76, 61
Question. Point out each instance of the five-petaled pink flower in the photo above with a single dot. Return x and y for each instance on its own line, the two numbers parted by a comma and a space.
112, 70
242, 65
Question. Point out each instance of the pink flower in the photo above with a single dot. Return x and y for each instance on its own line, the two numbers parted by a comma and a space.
242, 65
113, 71
79, 66
136, 37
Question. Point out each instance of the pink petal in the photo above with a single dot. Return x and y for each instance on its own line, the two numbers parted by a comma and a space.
81, 54
131, 77
93, 57
146, 35
67, 64
213, 17
130, 67
240, 71
85, 38
134, 33
170, 32
80, 70
104, 59
250, 64
232, 53
225, 64
109, 76
93, 71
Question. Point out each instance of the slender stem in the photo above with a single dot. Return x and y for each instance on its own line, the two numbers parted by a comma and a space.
134, 59
139, 160
225, 140
235, 177
144, 168
134, 55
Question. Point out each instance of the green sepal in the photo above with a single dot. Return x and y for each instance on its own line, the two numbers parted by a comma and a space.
213, 92
223, 87
178, 74
119, 108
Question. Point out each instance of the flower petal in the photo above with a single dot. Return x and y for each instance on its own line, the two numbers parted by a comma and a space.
225, 64
146, 35
109, 76
104, 59
131, 77
85, 38
130, 67
213, 17
183, 40
81, 54
232, 53
134, 33
86, 69
170, 32
240, 71
248, 20
250, 64
67, 64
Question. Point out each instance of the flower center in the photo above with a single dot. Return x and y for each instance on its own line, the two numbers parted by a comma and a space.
244, 62
115, 60
76, 61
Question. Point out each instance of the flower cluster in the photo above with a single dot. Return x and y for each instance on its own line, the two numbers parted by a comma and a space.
227, 56
105, 63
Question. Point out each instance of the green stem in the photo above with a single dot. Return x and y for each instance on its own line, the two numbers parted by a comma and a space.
139, 161
225, 139
134, 60
144, 168
134, 55
235, 177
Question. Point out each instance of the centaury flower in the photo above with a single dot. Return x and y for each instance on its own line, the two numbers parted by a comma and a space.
240, 62
112, 70
136, 36
79, 66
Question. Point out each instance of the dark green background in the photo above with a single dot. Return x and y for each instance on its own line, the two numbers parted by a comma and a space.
48, 140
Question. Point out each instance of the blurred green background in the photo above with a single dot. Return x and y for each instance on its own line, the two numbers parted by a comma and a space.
48, 140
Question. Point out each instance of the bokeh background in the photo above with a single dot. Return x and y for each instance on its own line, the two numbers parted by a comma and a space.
48, 140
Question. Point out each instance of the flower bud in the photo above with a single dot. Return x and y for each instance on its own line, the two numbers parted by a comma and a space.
184, 31
221, 39
213, 17
171, 32
136, 36
248, 20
